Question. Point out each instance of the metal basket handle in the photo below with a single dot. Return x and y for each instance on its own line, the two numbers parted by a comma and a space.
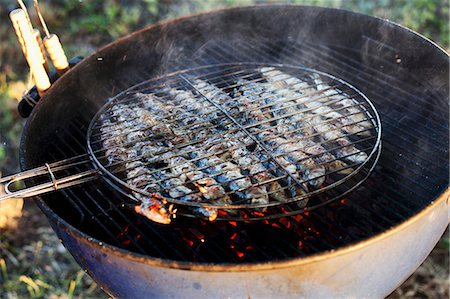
52, 182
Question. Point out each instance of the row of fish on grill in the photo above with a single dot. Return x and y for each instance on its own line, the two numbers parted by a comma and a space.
274, 139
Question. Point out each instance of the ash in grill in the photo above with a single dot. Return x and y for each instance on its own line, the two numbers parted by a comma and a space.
222, 138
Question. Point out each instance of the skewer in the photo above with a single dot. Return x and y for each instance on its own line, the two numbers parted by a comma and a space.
53, 45
31, 49
41, 19
24, 8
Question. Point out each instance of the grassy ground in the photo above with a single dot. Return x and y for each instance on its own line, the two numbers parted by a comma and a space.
32, 262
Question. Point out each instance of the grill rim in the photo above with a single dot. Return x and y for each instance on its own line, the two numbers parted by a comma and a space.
238, 267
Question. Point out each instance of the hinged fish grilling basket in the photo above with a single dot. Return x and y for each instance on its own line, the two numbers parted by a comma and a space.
226, 142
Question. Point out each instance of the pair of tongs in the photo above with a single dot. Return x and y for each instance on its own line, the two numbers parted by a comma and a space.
33, 47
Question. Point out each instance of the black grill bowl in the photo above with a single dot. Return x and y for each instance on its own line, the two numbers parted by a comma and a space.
388, 225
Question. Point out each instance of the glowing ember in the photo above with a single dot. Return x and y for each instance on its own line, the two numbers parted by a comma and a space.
240, 254
237, 240
258, 214
198, 234
122, 233
222, 213
285, 222
275, 224
188, 241
297, 218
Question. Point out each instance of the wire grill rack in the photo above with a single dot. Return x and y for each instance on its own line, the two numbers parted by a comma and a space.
237, 141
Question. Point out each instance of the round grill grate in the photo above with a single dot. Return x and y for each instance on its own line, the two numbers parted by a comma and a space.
236, 141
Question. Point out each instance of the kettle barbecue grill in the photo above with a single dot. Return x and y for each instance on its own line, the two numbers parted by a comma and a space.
361, 238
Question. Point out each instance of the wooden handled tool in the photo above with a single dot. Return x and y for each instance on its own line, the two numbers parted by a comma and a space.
53, 45
31, 49
56, 53
19, 35
36, 34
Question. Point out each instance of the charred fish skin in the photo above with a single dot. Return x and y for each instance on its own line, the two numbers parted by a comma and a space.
111, 136
251, 97
247, 109
211, 156
293, 127
137, 175
355, 121
307, 169
285, 112
327, 130
152, 208
257, 172
245, 161
350, 117
210, 188
182, 172
187, 172
231, 173
204, 181
270, 187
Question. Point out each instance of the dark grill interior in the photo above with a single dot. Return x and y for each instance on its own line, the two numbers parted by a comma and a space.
412, 169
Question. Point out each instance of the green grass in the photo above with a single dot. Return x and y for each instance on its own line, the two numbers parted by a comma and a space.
33, 264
